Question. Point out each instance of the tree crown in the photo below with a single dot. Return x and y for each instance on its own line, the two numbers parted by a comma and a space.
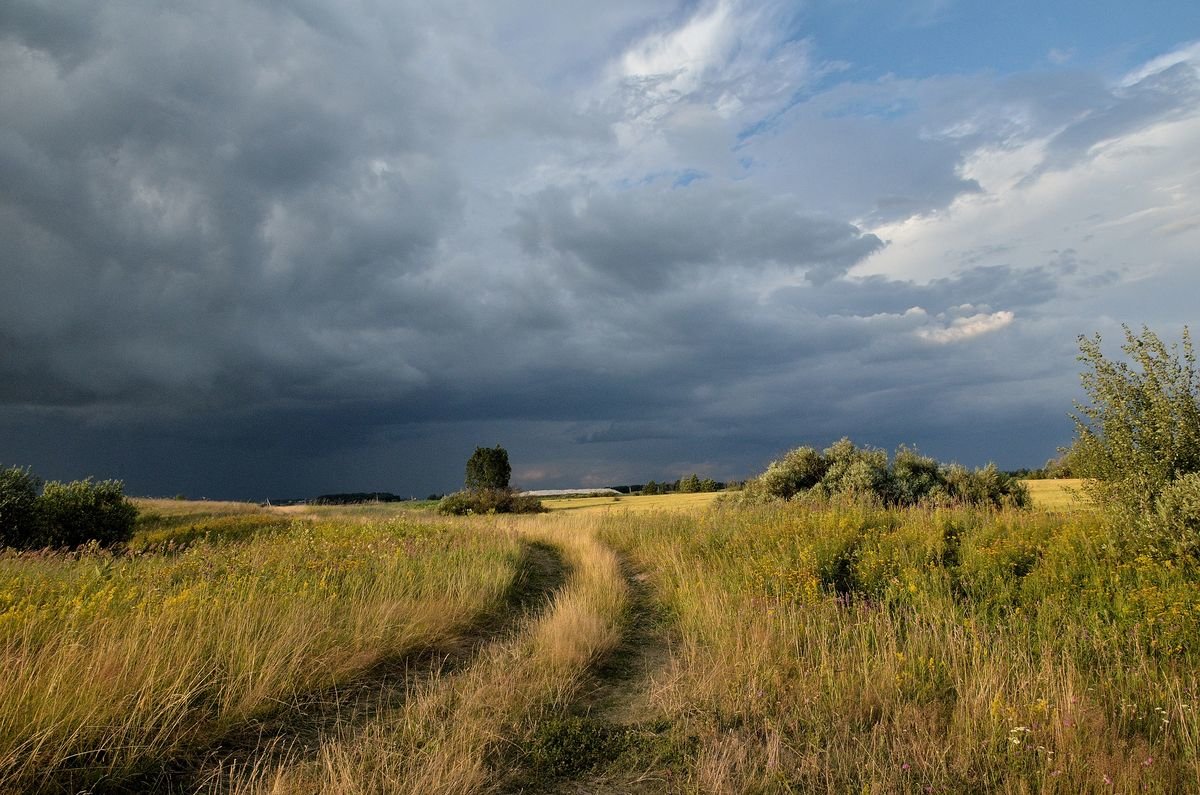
488, 468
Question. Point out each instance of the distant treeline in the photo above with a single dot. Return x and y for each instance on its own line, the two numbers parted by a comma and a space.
691, 484
1064, 466
356, 497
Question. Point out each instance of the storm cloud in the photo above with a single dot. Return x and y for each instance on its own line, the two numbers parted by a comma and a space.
257, 249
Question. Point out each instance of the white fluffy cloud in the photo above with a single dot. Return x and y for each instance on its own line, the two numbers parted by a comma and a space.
964, 328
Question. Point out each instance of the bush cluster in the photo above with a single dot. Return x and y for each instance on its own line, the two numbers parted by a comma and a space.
1137, 442
1141, 429
33, 516
476, 501
909, 478
1174, 524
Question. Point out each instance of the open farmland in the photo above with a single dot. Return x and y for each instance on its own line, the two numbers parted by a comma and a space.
636, 502
1061, 494
775, 648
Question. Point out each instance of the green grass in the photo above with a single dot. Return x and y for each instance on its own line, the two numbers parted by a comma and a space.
782, 648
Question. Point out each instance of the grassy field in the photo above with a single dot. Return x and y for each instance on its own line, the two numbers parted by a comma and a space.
1064, 494
637, 502
658, 644
1060, 494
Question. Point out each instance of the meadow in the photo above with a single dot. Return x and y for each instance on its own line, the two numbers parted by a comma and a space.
658, 644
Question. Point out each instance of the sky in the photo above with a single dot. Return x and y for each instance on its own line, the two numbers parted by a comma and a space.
255, 249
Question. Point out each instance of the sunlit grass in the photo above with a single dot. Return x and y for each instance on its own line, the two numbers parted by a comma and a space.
1060, 494
635, 503
114, 662
154, 506
849, 649
459, 734
806, 647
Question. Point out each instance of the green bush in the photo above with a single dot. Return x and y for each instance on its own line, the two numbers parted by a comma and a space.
987, 486
799, 470
64, 514
864, 473
915, 477
856, 472
1174, 525
19, 521
1141, 429
477, 501
81, 511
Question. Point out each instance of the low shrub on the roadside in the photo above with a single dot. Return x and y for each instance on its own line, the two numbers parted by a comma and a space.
485, 501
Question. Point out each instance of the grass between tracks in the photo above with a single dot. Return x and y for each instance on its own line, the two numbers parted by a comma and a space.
467, 732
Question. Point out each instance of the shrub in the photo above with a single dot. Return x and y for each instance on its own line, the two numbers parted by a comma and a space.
64, 514
856, 472
915, 477
799, 470
81, 511
1174, 525
19, 522
1141, 429
987, 486
864, 473
476, 501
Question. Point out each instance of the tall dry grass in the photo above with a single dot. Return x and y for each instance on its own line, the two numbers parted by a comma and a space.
459, 733
850, 649
829, 648
114, 663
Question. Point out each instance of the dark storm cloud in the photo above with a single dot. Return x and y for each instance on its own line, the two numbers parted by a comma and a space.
195, 212
265, 249
649, 237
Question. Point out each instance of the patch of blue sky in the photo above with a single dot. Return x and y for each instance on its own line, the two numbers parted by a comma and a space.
680, 178
938, 37
688, 176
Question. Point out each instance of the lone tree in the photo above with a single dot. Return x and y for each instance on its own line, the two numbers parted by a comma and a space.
488, 468
1141, 431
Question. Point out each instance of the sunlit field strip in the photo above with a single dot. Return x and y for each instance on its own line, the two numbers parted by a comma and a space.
112, 663
638, 502
1061, 494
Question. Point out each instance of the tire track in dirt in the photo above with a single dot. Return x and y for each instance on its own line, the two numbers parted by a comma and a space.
295, 731
613, 740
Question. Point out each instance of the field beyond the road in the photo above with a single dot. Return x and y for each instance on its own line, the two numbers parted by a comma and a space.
657, 644
636, 502
1062, 494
